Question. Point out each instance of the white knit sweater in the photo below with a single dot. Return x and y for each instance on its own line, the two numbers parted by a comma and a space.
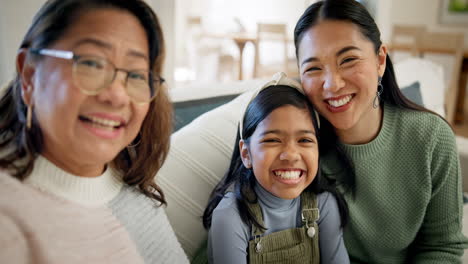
57, 217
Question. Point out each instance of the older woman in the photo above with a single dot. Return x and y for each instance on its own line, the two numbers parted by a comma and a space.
396, 162
84, 128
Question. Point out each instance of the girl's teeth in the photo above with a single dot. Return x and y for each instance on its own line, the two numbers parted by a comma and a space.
288, 174
341, 102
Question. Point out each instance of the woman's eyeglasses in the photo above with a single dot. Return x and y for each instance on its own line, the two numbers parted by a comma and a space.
93, 74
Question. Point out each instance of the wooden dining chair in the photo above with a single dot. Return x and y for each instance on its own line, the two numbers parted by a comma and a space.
205, 56
270, 34
451, 45
406, 38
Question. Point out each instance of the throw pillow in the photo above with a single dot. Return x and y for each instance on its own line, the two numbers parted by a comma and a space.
186, 111
413, 93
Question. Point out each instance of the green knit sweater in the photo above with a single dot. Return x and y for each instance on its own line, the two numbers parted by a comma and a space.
407, 206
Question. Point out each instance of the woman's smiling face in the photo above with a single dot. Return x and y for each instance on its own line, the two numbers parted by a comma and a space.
82, 133
339, 70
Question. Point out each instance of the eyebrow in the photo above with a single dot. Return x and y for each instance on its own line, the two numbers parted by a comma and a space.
107, 46
340, 52
277, 131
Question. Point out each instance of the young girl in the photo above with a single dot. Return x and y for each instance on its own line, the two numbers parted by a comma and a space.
271, 205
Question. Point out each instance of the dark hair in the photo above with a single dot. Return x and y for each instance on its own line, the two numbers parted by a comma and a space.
20, 146
353, 12
242, 179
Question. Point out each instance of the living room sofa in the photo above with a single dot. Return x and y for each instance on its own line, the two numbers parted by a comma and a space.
201, 148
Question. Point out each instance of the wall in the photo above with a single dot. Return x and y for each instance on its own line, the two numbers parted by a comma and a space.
219, 17
165, 10
425, 12
15, 17
250, 12
3, 65
383, 18
184, 9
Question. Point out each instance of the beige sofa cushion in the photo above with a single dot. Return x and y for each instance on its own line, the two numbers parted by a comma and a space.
199, 156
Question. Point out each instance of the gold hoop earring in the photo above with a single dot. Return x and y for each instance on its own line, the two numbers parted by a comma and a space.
29, 117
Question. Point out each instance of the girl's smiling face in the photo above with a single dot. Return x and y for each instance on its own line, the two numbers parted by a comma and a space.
283, 152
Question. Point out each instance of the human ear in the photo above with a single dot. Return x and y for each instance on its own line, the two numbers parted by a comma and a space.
25, 70
382, 60
244, 154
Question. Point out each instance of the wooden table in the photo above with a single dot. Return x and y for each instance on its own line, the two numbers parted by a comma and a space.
240, 39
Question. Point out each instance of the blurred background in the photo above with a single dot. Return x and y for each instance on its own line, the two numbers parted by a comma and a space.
217, 41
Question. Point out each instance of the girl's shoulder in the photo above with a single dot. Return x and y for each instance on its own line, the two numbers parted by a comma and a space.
328, 208
226, 216
326, 200
227, 205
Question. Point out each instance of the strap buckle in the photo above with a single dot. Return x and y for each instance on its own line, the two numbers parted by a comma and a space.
312, 214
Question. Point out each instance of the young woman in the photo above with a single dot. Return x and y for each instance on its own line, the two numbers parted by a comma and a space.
84, 128
397, 163
271, 206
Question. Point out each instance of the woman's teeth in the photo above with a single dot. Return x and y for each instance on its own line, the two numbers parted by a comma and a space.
288, 174
109, 128
102, 123
341, 102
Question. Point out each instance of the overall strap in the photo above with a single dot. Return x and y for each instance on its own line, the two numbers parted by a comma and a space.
256, 211
297, 245
310, 214
309, 204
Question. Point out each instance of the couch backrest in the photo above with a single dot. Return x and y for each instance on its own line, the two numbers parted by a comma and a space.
430, 77
199, 157
200, 152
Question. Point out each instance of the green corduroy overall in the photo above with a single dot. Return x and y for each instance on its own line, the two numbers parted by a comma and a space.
288, 246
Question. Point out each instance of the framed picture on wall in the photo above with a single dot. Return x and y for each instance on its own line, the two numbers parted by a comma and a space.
453, 12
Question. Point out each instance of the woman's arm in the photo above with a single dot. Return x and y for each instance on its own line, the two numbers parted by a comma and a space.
332, 248
228, 237
440, 238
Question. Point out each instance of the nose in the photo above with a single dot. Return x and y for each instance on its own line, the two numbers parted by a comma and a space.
116, 93
290, 153
333, 81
